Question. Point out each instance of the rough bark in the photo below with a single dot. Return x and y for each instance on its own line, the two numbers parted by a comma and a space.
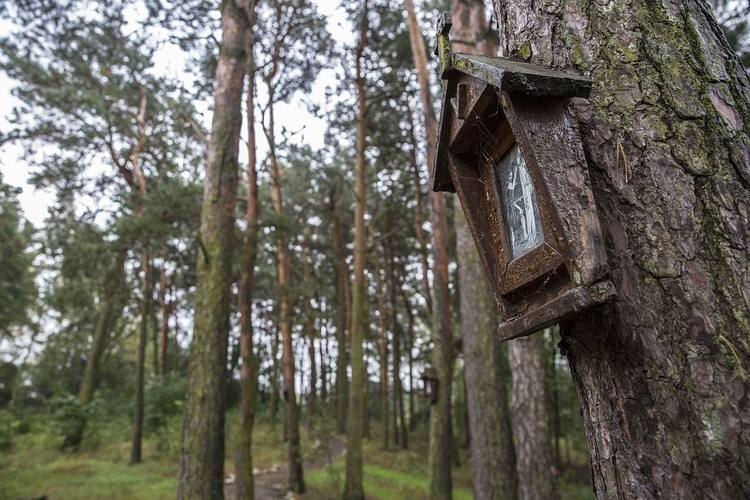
534, 460
492, 453
353, 488
661, 372
243, 456
442, 354
202, 453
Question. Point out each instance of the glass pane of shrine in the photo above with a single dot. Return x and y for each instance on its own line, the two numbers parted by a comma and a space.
518, 198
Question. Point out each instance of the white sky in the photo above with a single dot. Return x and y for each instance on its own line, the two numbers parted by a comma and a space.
293, 115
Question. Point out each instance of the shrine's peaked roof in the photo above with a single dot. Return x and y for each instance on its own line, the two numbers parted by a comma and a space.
516, 76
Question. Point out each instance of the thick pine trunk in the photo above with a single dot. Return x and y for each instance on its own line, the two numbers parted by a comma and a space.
202, 453
442, 354
492, 454
353, 488
661, 372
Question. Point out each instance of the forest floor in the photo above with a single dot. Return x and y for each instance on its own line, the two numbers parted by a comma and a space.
271, 482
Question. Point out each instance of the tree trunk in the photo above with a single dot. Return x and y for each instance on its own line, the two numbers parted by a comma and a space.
492, 453
353, 489
243, 456
310, 324
291, 411
342, 277
109, 311
418, 214
442, 354
399, 420
140, 368
164, 306
378, 271
202, 453
536, 473
660, 372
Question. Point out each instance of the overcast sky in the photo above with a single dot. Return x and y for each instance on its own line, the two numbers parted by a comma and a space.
293, 115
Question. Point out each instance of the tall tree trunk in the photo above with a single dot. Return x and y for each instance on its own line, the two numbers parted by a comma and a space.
418, 214
492, 454
399, 420
442, 354
109, 310
310, 324
353, 489
410, 338
291, 411
342, 277
275, 392
243, 456
202, 453
164, 307
536, 472
135, 450
140, 369
383, 346
661, 371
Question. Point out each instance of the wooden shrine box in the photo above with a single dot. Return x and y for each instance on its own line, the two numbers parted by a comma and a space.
510, 148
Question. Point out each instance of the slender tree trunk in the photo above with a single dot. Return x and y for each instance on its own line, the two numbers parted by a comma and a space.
140, 369
492, 454
164, 307
275, 392
243, 456
310, 324
383, 349
202, 453
661, 371
342, 273
353, 489
410, 337
399, 421
291, 411
442, 354
418, 213
109, 310
536, 472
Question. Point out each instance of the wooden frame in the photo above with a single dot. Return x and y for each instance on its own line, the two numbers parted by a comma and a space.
491, 105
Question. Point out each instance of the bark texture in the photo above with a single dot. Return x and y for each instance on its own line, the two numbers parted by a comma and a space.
202, 453
243, 456
342, 311
662, 372
353, 488
492, 454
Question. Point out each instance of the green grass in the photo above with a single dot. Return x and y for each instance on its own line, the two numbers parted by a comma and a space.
379, 483
73, 477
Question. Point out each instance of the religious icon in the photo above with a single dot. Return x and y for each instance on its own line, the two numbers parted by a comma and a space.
522, 219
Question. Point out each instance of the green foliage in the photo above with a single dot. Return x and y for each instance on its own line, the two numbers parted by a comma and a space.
163, 403
17, 288
734, 19
66, 412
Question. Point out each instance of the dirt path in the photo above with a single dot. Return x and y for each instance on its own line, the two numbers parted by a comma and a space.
271, 483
